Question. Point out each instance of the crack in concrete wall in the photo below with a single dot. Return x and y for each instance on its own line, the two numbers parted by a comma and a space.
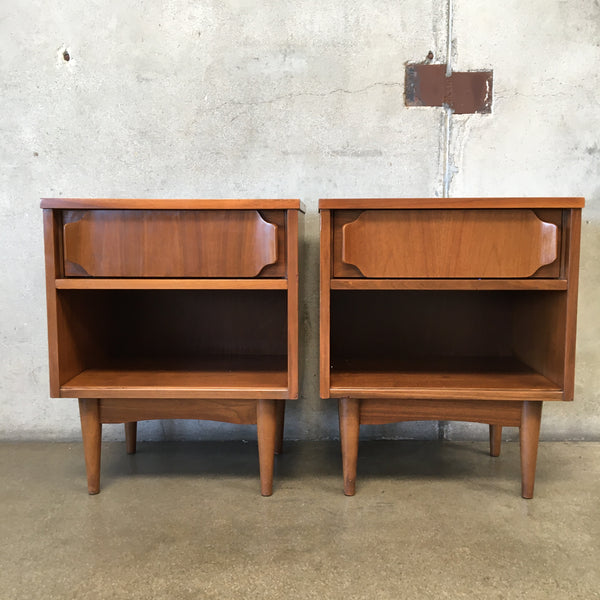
294, 95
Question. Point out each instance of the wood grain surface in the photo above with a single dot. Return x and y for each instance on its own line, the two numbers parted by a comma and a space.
130, 243
172, 204
119, 410
449, 203
449, 243
448, 284
458, 378
240, 377
101, 283
379, 411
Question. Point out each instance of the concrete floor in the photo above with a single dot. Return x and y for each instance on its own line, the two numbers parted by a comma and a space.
430, 520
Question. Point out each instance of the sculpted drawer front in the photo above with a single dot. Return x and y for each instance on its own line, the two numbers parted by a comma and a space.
174, 243
503, 243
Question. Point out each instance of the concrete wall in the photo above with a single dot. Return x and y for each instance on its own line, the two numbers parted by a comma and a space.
281, 98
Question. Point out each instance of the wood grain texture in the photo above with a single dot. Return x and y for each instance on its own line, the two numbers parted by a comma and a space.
448, 284
349, 413
448, 203
375, 411
573, 226
495, 440
81, 334
53, 260
529, 434
171, 284
121, 243
449, 243
171, 204
266, 424
340, 218
324, 303
119, 410
278, 269
292, 303
171, 325
555, 269
539, 335
207, 377
466, 378
91, 431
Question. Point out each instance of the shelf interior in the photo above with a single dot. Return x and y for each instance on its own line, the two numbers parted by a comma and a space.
173, 343
447, 344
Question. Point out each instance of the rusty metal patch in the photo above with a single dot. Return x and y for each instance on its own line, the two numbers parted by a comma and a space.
464, 92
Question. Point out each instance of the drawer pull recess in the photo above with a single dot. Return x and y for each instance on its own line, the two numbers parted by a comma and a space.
449, 243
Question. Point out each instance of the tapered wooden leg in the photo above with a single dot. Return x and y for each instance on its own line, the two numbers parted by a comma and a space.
280, 405
529, 434
495, 439
266, 423
91, 432
349, 431
130, 436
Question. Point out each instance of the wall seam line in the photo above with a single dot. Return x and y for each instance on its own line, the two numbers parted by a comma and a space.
442, 425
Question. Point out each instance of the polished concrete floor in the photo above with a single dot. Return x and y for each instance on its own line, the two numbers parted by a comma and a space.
430, 520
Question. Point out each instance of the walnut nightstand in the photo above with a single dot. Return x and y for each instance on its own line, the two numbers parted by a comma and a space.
182, 309
448, 309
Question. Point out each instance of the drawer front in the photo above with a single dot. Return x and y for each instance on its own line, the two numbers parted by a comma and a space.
172, 243
503, 243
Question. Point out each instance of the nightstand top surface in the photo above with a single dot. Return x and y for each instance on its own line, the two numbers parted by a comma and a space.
441, 203
171, 204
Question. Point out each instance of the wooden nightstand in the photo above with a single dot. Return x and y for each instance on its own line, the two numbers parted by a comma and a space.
448, 309
183, 309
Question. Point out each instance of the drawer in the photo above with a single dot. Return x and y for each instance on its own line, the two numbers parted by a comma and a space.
502, 243
174, 243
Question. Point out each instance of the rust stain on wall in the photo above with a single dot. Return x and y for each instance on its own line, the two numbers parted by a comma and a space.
464, 92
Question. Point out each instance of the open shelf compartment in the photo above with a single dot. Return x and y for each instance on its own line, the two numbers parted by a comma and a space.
441, 344
173, 343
